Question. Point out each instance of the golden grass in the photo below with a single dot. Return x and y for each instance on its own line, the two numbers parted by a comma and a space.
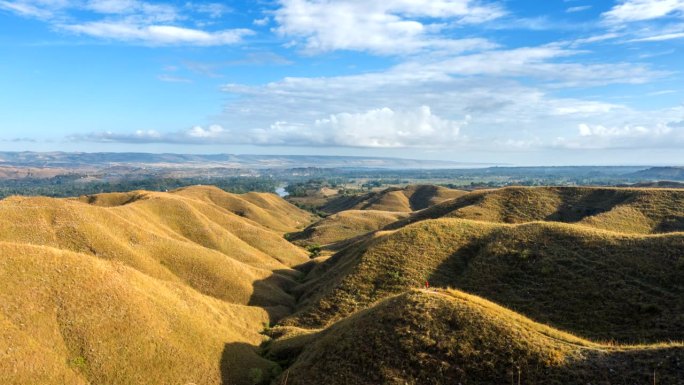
596, 283
345, 225
143, 287
70, 318
631, 210
166, 236
268, 210
449, 337
407, 199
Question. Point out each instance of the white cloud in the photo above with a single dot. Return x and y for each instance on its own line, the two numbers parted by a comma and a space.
383, 27
578, 8
262, 22
487, 86
378, 128
157, 34
214, 10
131, 21
212, 131
663, 37
173, 79
385, 127
657, 134
639, 10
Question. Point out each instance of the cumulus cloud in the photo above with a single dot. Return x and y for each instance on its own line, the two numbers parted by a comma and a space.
213, 131
508, 94
599, 136
377, 128
383, 27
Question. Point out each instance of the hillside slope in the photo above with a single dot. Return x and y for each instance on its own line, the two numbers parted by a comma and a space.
448, 337
166, 236
70, 318
345, 225
595, 283
143, 287
407, 199
618, 209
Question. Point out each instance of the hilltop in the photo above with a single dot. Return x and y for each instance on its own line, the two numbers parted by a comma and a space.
344, 226
198, 285
124, 288
633, 210
407, 199
554, 273
449, 337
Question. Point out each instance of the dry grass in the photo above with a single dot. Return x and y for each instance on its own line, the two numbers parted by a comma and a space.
166, 236
618, 209
141, 287
176, 287
345, 225
449, 337
268, 210
407, 199
595, 283
70, 318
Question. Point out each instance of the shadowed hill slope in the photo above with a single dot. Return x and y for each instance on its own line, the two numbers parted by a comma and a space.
617, 209
407, 199
345, 225
595, 283
449, 337
69, 318
143, 287
166, 236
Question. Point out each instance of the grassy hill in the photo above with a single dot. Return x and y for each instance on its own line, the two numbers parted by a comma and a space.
407, 199
345, 225
177, 287
595, 283
70, 318
143, 287
618, 209
449, 337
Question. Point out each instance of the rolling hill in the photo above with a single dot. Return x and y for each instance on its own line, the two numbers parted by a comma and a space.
407, 199
630, 285
345, 225
70, 318
618, 209
138, 287
200, 286
449, 337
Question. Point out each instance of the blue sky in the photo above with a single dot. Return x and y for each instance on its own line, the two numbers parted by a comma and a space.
518, 82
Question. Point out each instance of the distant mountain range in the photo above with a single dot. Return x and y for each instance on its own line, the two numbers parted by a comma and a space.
661, 173
107, 160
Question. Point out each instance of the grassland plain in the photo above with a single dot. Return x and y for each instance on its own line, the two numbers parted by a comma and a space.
143, 287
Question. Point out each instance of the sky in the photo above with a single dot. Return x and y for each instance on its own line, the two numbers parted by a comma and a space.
519, 82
